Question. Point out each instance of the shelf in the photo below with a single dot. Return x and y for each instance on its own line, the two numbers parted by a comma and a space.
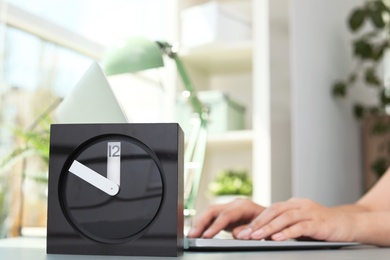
232, 138
220, 58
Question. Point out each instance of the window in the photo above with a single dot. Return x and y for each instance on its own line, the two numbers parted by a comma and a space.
47, 45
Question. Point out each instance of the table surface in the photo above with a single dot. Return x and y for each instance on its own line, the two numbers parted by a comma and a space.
35, 248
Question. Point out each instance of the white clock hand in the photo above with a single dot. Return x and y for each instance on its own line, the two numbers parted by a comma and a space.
94, 178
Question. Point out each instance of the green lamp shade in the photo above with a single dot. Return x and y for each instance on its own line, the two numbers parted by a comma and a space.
131, 55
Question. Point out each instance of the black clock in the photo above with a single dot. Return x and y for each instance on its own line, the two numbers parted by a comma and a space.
116, 189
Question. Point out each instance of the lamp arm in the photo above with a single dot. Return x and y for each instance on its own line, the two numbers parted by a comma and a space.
194, 100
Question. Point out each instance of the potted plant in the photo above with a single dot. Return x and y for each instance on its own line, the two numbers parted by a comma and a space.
230, 184
370, 23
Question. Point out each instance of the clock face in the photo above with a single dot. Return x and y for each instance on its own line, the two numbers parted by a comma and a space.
111, 188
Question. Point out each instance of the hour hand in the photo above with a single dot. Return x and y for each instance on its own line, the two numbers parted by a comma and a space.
94, 178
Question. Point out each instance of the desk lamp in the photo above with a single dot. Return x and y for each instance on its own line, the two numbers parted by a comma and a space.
137, 54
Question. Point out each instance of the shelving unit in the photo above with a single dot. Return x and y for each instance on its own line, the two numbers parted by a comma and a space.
241, 70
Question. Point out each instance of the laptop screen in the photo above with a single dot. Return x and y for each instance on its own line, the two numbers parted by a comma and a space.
91, 101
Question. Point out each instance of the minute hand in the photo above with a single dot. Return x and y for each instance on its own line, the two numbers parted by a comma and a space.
94, 178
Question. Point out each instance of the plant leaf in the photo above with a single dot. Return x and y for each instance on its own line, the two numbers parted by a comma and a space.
358, 111
15, 156
339, 89
380, 166
379, 50
379, 128
373, 111
371, 78
356, 19
377, 19
363, 49
377, 10
385, 97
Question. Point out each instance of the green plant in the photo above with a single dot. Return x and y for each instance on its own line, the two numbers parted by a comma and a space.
231, 182
370, 22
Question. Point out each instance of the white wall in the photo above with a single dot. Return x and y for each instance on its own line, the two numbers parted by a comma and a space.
326, 141
280, 92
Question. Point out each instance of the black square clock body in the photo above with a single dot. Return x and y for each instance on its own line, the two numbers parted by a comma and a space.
116, 189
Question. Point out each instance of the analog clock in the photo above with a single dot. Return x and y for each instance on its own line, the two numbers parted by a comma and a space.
105, 184
116, 189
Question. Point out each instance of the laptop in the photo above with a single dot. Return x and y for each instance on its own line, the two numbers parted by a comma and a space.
123, 98
215, 244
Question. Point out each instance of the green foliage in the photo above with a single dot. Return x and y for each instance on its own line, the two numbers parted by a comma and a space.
34, 143
368, 48
339, 89
232, 182
381, 128
380, 166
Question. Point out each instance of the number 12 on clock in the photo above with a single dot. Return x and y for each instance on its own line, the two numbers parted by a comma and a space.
114, 162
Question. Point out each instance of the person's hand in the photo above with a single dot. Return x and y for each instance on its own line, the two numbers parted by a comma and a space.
231, 217
297, 218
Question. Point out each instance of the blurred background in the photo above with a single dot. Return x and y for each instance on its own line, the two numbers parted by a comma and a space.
274, 75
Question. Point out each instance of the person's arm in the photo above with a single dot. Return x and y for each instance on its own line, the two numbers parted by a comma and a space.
372, 227
378, 197
352, 208
364, 221
304, 218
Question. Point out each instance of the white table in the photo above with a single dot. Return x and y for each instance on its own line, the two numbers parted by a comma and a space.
35, 248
